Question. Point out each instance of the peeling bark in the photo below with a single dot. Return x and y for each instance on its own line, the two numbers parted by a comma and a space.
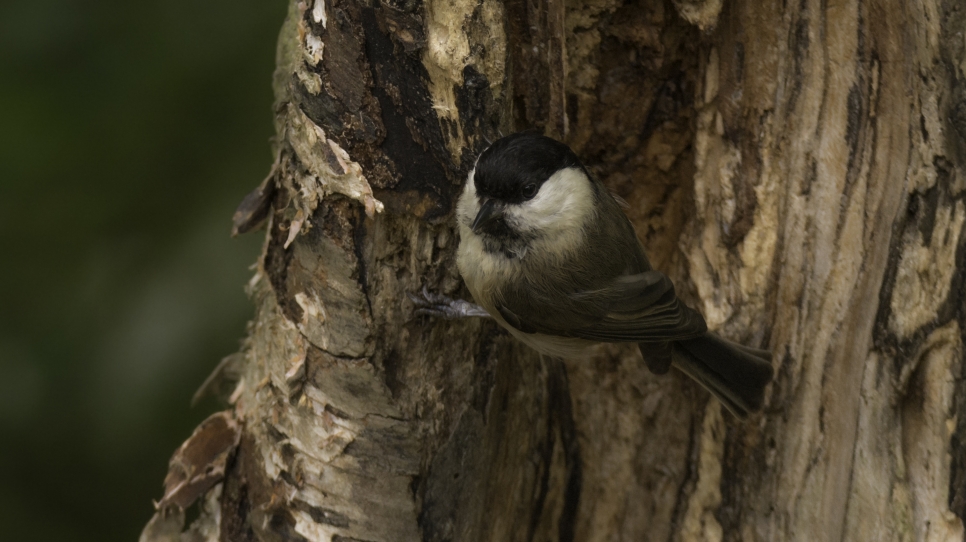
796, 168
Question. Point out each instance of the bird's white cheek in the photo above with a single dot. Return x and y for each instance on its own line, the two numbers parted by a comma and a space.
564, 202
556, 217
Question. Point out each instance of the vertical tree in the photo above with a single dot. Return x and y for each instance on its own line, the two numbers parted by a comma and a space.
796, 168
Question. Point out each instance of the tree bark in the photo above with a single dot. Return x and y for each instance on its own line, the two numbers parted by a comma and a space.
796, 168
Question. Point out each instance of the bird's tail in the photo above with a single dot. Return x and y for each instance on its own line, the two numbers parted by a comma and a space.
735, 374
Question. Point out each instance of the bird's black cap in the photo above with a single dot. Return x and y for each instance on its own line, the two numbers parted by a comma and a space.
512, 163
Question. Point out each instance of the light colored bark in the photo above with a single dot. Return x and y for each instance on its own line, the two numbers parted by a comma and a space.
797, 169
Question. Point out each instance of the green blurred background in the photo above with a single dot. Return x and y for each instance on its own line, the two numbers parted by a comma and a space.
128, 133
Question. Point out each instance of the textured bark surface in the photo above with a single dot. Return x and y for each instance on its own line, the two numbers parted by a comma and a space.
797, 169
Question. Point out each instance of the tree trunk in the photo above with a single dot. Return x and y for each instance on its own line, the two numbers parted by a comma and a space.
796, 168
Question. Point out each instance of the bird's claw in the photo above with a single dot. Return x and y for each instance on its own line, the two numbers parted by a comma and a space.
440, 306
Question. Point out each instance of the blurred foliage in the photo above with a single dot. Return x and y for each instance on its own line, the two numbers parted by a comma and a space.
129, 131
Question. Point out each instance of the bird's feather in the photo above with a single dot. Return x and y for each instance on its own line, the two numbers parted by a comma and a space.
631, 308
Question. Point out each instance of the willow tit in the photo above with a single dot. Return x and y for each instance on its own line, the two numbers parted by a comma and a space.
548, 253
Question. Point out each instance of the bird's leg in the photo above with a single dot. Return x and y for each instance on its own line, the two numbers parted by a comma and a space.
441, 306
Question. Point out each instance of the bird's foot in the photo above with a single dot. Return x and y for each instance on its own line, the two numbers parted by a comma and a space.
441, 306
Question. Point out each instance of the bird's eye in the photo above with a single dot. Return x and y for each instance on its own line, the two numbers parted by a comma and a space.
530, 190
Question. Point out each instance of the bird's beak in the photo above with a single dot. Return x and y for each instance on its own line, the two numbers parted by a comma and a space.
490, 212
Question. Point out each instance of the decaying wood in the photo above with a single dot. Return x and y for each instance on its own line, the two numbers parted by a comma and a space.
796, 168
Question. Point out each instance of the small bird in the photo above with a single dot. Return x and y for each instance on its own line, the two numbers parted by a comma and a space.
546, 250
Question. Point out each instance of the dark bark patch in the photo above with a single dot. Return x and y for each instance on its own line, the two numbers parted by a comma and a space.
957, 442
450, 488
799, 43
926, 205
410, 202
744, 453
281, 525
883, 339
955, 304
333, 411
246, 489
235, 506
413, 141
386, 451
343, 65
323, 109
781, 389
955, 307
854, 121
958, 117
358, 241
811, 174
685, 490
528, 68
952, 21
561, 432
335, 218
739, 62
403, 21
562, 415
275, 433
545, 452
345, 107
276, 264
391, 365
670, 98
324, 516
474, 101
485, 366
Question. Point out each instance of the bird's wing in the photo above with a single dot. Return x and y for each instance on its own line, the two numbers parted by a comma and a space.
640, 307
